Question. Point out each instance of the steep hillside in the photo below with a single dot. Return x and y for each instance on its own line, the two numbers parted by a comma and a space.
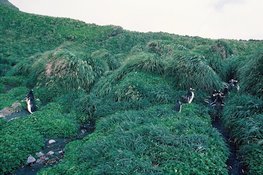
126, 83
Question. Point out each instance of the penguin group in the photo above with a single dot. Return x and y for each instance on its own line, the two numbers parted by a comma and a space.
217, 97
30, 101
188, 98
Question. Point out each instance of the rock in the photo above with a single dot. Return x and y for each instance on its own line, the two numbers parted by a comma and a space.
30, 160
83, 131
15, 107
51, 141
39, 154
61, 152
50, 153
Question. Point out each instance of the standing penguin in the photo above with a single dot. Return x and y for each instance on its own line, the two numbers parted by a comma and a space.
188, 98
233, 85
214, 95
30, 101
178, 106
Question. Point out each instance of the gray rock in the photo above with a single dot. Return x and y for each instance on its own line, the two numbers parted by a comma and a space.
30, 160
39, 154
51, 141
50, 153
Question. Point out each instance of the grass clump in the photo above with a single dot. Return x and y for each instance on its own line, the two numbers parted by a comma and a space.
152, 141
136, 90
191, 71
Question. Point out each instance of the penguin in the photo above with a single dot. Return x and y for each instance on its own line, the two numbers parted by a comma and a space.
189, 96
178, 106
233, 84
218, 99
30, 95
214, 95
30, 101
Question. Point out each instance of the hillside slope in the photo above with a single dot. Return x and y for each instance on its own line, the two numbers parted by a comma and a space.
127, 83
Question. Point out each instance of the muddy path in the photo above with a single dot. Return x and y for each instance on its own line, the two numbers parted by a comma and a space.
234, 164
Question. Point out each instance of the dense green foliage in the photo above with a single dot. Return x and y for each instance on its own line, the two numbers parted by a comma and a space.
18, 141
243, 113
25, 136
152, 141
243, 117
127, 82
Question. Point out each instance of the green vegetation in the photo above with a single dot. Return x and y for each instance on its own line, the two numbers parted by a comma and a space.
152, 141
17, 143
15, 94
243, 117
128, 83
25, 136
243, 113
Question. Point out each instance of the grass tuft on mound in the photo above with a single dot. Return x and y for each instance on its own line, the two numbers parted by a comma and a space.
251, 75
192, 71
135, 90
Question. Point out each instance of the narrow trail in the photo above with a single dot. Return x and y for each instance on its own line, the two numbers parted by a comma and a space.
234, 164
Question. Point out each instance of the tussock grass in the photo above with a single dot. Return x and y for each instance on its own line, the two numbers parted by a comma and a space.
243, 117
251, 75
135, 91
192, 71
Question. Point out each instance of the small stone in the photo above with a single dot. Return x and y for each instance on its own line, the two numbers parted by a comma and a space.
83, 131
39, 154
50, 153
31, 160
51, 141
61, 152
